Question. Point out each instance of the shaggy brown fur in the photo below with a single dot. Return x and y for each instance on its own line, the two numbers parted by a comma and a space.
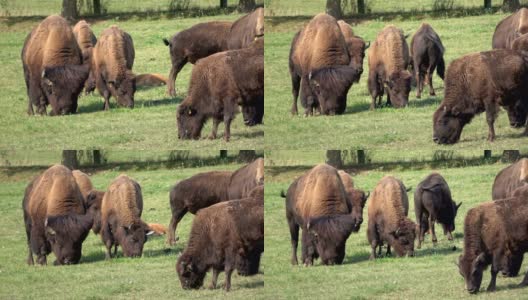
146, 80
509, 179
55, 196
480, 82
192, 194
346, 29
52, 44
494, 232
91, 197
246, 179
219, 84
356, 198
246, 29
521, 43
387, 218
319, 44
84, 182
509, 29
158, 229
86, 41
388, 59
113, 60
356, 47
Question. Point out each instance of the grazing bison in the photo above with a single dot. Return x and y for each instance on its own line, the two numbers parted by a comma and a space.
55, 217
433, 203
223, 237
219, 83
356, 47
113, 58
387, 218
91, 197
320, 45
147, 80
494, 232
245, 179
86, 41
121, 218
246, 29
498, 78
357, 198
509, 29
317, 202
51, 61
388, 59
427, 54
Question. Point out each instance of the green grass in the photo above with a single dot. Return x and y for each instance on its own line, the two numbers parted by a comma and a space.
385, 128
431, 274
153, 276
150, 125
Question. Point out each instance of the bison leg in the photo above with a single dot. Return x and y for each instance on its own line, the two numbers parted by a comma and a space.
374, 89
307, 249
108, 239
491, 114
228, 269
177, 65
373, 239
296, 83
418, 79
431, 225
389, 253
495, 266
525, 280
228, 117
27, 222
214, 130
214, 279
430, 82
514, 264
294, 234
177, 215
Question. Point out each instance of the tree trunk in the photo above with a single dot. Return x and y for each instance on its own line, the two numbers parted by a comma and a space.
487, 3
510, 155
510, 5
223, 154
97, 157
223, 3
69, 9
69, 159
97, 7
247, 155
246, 5
361, 157
487, 154
333, 8
333, 158
361, 6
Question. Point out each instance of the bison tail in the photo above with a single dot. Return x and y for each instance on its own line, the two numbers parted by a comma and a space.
166, 42
282, 194
440, 68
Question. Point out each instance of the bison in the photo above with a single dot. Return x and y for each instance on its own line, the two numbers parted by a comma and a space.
357, 198
388, 59
356, 47
113, 58
427, 54
494, 233
86, 41
509, 29
387, 218
92, 197
223, 237
433, 203
219, 83
53, 70
320, 45
476, 83
318, 203
245, 179
121, 218
55, 217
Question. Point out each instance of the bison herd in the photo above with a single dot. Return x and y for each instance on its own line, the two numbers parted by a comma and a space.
326, 205
60, 207
60, 61
326, 58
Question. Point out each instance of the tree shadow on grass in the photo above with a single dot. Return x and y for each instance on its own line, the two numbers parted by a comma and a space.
425, 102
160, 102
357, 258
251, 285
358, 107
251, 134
97, 256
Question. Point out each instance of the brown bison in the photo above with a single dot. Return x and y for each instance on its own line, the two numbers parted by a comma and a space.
53, 70
86, 41
320, 44
433, 203
357, 198
387, 219
246, 29
509, 29
92, 197
427, 54
318, 203
498, 78
356, 47
245, 179
388, 59
219, 83
113, 58
121, 218
494, 232
55, 217
148, 80
520, 43
223, 237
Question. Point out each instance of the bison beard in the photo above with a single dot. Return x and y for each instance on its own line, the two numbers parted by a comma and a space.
66, 235
331, 86
62, 86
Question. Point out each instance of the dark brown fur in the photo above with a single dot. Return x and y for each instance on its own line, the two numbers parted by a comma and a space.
357, 199
476, 83
509, 29
245, 179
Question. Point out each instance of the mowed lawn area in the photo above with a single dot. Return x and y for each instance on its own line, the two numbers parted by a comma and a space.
431, 274
150, 125
385, 128
153, 276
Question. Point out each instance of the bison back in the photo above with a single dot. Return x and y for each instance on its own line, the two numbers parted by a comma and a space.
389, 50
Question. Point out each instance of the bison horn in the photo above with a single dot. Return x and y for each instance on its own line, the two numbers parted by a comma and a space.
310, 76
43, 73
150, 232
308, 225
367, 45
458, 205
367, 195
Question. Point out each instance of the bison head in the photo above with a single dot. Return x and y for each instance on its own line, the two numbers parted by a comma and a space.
92, 205
449, 224
191, 277
448, 125
402, 239
471, 270
517, 114
62, 86
331, 85
356, 49
358, 198
190, 122
259, 28
329, 234
399, 86
66, 235
124, 89
132, 238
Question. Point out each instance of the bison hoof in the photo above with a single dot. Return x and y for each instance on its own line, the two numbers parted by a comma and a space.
490, 289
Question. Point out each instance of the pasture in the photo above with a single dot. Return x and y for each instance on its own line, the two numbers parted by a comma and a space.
153, 276
150, 125
431, 274
385, 128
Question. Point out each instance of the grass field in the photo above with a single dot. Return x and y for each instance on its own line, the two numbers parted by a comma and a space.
385, 128
150, 125
431, 274
151, 277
